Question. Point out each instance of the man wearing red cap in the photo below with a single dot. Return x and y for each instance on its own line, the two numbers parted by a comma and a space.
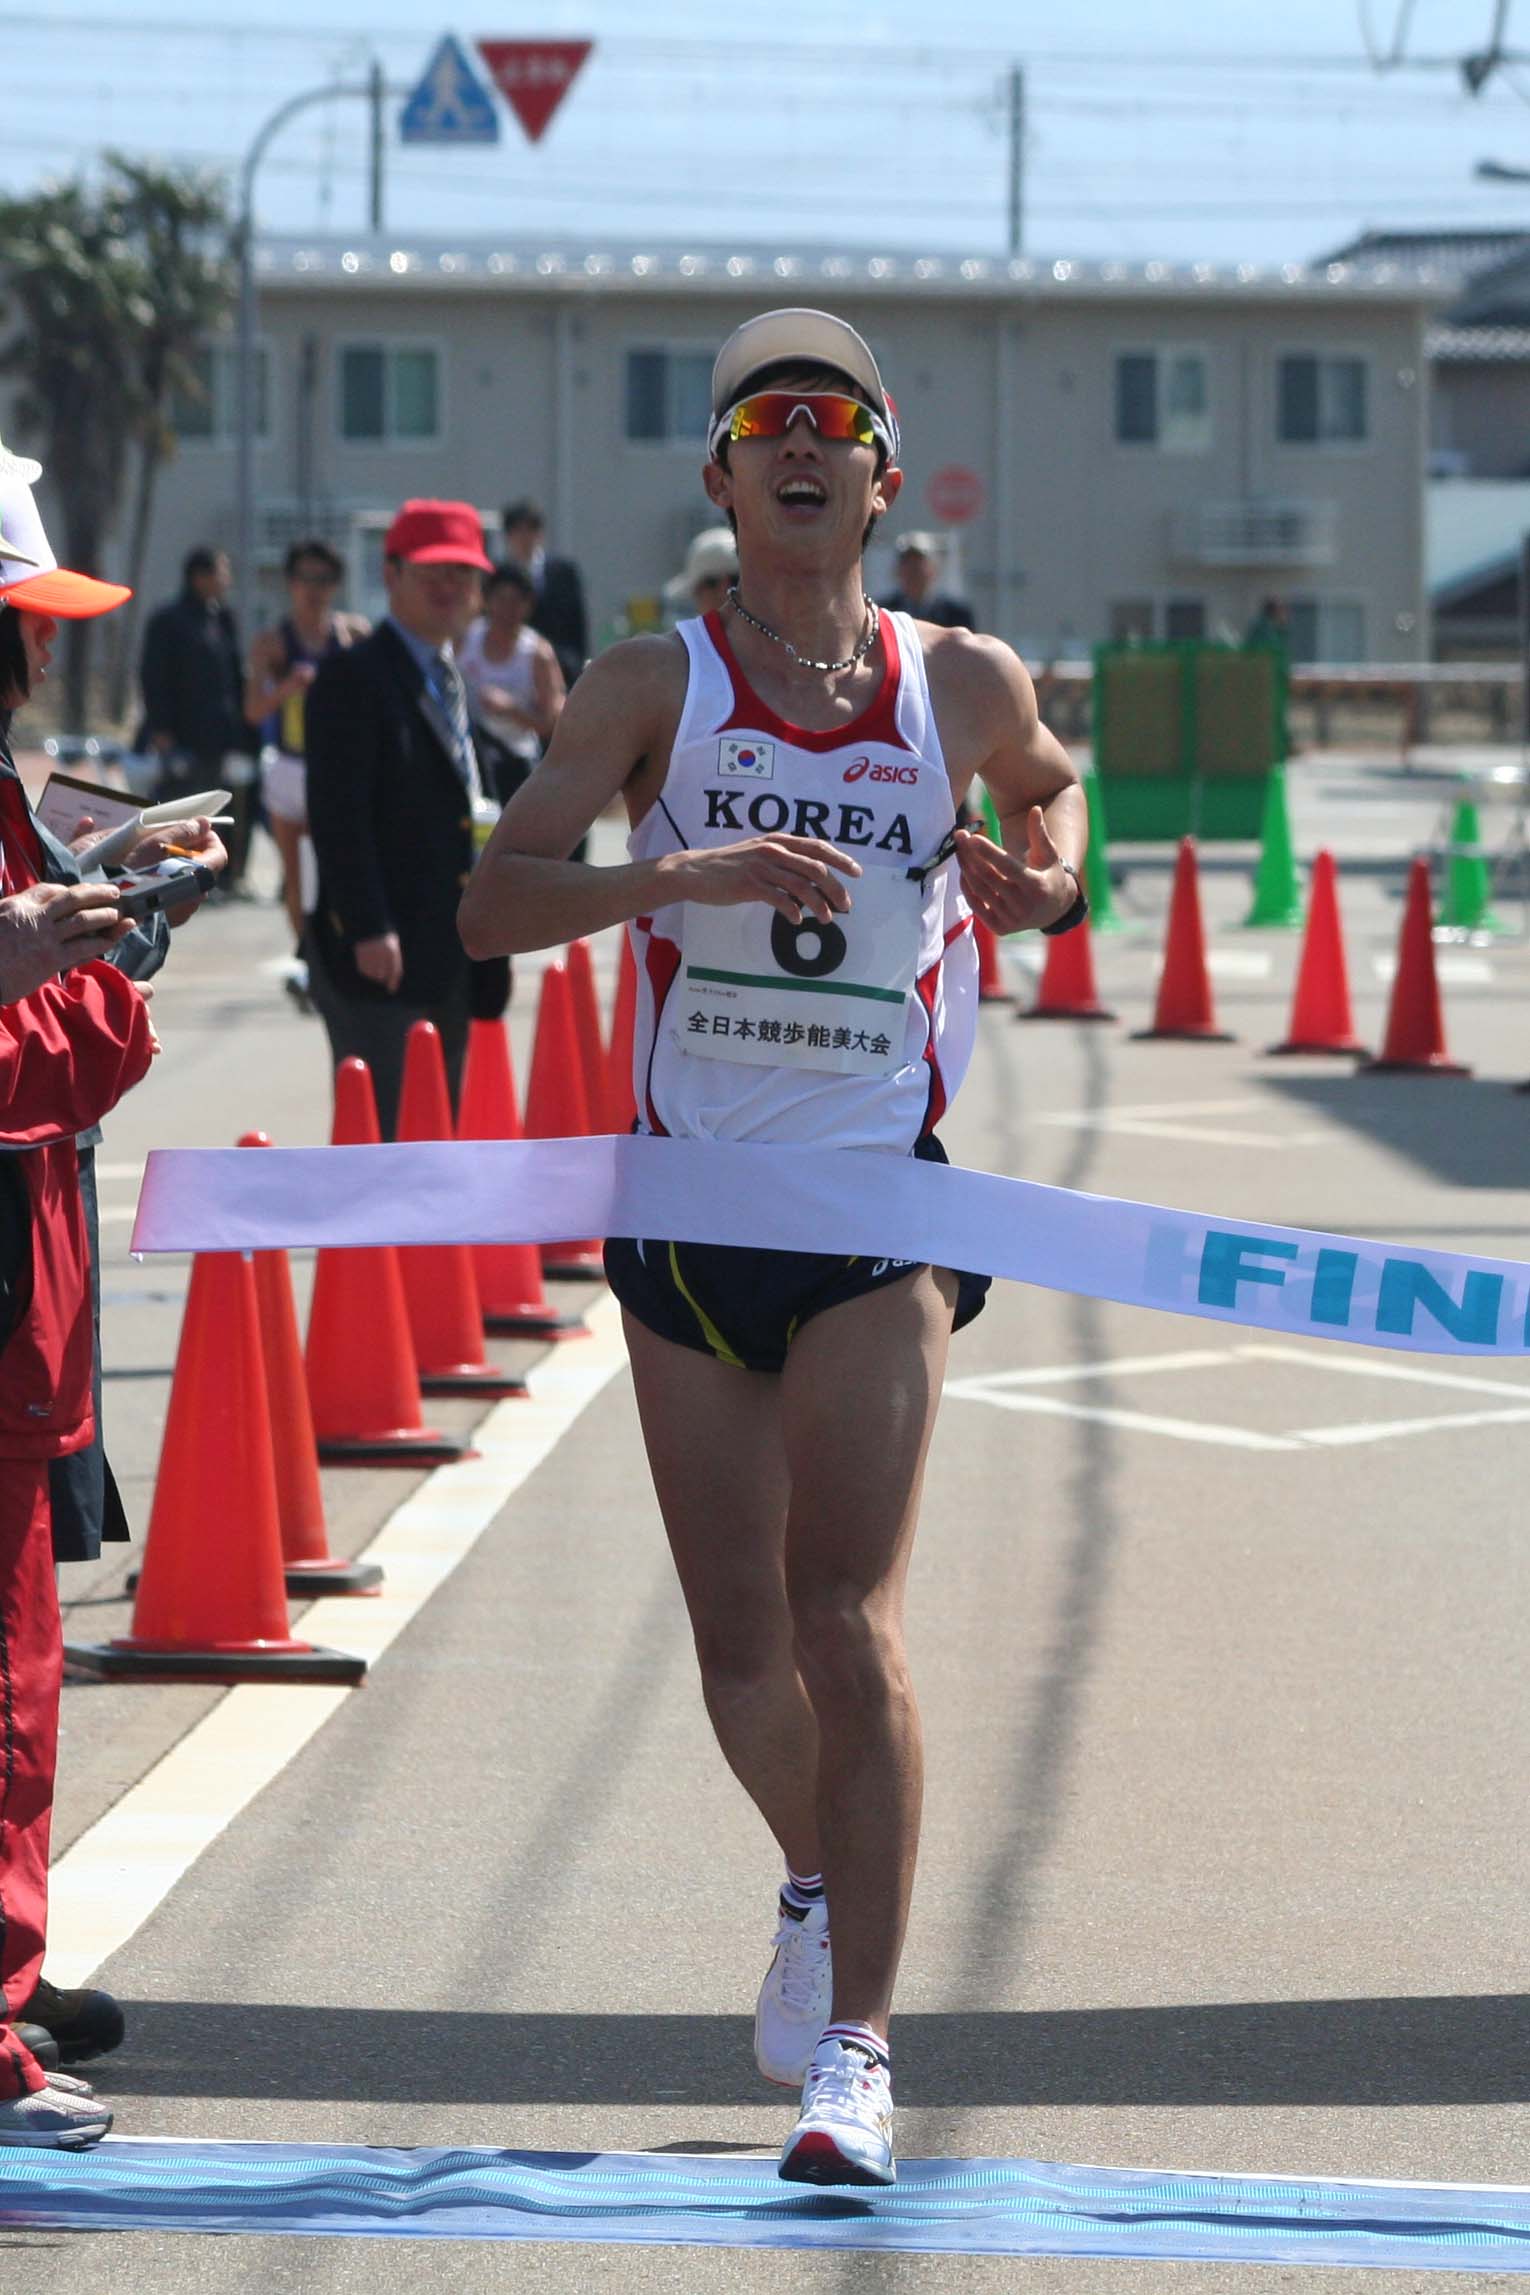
396, 800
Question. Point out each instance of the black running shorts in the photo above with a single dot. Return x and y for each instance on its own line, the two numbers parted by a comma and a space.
746, 1306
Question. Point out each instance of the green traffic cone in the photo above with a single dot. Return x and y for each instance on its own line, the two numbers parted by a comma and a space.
1103, 913
1468, 879
1277, 893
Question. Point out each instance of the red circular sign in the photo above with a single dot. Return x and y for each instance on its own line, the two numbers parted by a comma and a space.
955, 494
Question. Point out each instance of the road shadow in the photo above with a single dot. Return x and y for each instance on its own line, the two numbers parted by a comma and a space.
1463, 1133
1444, 2050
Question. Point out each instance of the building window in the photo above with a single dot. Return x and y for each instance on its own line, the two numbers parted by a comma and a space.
1326, 629
1184, 618
208, 410
1322, 401
390, 393
1132, 621
1163, 399
669, 396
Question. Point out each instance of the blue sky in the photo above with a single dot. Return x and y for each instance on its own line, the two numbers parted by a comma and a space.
1267, 138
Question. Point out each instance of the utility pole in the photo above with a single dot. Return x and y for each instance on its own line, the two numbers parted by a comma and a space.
372, 90
1016, 158
377, 89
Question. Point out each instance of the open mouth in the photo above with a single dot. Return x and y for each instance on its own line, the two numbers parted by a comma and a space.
802, 493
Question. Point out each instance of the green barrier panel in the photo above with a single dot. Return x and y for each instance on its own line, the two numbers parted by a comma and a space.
1184, 736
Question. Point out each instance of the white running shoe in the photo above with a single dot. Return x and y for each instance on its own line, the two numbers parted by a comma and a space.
64, 2116
844, 2134
793, 2006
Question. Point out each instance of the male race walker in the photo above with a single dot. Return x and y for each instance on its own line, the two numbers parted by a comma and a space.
799, 899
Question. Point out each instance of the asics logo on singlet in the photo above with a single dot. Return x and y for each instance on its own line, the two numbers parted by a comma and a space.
770, 814
862, 769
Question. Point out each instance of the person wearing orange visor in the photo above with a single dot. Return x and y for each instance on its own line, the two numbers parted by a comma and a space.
74, 1036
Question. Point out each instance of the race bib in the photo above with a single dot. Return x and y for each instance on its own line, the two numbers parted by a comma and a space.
830, 997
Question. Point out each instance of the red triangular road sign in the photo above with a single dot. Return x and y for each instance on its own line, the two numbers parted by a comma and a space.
534, 76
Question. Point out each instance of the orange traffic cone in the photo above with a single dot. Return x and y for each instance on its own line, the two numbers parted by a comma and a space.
210, 1604
509, 1275
991, 988
592, 1057
1321, 1019
555, 1105
1184, 1008
1068, 990
1415, 1038
621, 1100
445, 1321
362, 1387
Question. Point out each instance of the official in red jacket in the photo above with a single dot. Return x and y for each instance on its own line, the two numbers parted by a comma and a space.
69, 1049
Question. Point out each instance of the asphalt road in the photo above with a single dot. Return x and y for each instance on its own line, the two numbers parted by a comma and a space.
1225, 1864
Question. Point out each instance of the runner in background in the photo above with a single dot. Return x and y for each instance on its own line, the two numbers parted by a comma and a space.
799, 899
514, 684
283, 664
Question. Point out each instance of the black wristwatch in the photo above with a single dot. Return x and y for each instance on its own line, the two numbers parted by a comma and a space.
1071, 917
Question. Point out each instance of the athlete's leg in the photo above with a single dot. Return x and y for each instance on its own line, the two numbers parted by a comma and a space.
287, 837
713, 1435
859, 1395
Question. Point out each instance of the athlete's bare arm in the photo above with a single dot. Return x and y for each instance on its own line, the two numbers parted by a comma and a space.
613, 739
990, 728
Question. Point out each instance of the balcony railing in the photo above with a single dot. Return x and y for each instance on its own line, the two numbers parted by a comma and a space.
1255, 533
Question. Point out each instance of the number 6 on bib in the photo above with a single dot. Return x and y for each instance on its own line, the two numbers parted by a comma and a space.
831, 997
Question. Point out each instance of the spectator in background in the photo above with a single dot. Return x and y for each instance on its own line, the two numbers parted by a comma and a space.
193, 697
709, 573
395, 801
559, 613
918, 591
1270, 626
284, 662
514, 683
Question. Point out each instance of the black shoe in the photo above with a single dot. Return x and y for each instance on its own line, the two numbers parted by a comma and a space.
41, 2043
84, 2023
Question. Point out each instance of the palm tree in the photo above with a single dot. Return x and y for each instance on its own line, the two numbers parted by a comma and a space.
177, 219
75, 289
111, 291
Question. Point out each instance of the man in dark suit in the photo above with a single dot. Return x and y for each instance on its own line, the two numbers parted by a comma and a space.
919, 592
559, 613
396, 799
192, 676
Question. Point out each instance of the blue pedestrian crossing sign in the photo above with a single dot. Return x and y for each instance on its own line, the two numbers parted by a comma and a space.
451, 104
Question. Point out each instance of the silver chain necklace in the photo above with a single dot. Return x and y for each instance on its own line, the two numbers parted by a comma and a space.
802, 660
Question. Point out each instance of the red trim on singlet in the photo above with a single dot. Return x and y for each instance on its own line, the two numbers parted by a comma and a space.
661, 962
924, 989
877, 722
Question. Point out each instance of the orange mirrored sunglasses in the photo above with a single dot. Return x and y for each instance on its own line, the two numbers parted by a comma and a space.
771, 413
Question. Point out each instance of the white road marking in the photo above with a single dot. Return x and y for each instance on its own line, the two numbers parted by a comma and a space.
1130, 1421
1238, 963
998, 1388
1339, 1361
1382, 1430
116, 1875
1055, 1374
1167, 1124
1461, 971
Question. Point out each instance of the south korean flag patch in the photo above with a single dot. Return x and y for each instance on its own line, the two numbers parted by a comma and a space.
746, 760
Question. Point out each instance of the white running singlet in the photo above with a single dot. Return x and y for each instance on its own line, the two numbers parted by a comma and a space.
854, 1034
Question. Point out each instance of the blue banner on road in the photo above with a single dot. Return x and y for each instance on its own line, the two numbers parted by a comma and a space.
955, 2206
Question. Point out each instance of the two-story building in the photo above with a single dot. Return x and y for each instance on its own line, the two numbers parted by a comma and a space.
1111, 449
